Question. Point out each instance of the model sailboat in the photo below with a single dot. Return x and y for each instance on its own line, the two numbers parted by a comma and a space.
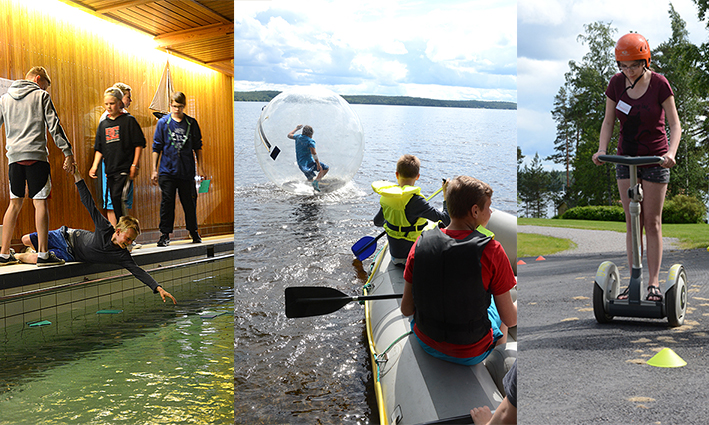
161, 101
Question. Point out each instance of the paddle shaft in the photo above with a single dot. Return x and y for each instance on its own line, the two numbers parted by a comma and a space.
351, 299
305, 301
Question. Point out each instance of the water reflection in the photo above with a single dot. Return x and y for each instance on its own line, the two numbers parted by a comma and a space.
317, 370
155, 365
306, 217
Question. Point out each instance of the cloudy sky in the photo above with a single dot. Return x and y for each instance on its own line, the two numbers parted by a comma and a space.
547, 42
448, 49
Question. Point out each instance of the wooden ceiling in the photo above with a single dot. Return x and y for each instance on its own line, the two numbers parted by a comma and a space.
198, 30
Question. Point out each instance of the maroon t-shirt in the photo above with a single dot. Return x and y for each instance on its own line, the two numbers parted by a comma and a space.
642, 129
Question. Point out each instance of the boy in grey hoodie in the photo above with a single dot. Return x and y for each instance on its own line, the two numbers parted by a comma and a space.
28, 112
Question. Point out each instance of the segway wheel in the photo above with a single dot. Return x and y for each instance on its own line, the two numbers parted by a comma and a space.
605, 288
676, 296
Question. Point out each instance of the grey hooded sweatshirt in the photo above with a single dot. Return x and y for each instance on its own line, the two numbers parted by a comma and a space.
28, 112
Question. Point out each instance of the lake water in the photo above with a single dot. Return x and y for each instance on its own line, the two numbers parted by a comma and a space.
157, 365
317, 370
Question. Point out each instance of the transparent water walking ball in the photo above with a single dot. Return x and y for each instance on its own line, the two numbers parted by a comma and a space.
338, 135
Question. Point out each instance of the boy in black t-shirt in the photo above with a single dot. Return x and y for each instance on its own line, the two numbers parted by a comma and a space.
119, 141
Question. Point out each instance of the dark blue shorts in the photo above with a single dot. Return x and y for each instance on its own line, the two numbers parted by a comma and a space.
56, 243
311, 170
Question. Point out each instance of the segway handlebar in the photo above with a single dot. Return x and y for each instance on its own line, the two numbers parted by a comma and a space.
631, 160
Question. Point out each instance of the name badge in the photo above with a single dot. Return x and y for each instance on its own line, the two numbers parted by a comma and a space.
623, 107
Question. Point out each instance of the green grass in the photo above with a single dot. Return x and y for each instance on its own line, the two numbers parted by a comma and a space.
533, 245
691, 236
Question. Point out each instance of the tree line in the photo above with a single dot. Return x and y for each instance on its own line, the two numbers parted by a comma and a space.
579, 108
266, 96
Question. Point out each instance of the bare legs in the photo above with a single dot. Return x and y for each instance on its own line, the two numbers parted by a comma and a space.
8, 223
650, 220
27, 257
41, 220
321, 174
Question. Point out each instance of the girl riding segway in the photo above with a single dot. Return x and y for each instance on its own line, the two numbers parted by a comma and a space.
643, 102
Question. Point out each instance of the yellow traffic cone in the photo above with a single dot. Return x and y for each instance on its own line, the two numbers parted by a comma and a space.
666, 358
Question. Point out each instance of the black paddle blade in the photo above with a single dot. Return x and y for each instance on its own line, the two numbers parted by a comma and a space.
275, 152
306, 301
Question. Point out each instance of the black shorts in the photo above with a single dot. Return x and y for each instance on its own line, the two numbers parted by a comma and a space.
36, 176
654, 174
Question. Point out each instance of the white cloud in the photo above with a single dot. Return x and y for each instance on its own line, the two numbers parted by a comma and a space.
386, 71
379, 44
534, 121
471, 30
395, 48
536, 131
541, 12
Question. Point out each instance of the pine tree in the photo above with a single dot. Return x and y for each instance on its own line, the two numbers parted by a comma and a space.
533, 188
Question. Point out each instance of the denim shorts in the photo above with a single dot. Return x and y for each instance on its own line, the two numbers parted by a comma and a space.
56, 243
311, 170
654, 174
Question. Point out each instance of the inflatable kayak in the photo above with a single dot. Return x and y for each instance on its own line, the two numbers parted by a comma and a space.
411, 386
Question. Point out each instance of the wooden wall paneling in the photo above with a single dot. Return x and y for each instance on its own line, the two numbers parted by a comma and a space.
82, 64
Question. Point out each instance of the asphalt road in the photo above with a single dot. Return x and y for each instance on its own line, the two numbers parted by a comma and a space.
573, 370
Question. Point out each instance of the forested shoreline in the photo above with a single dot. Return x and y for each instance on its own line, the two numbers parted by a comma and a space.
267, 95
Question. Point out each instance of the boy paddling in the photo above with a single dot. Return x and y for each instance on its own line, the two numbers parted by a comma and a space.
404, 210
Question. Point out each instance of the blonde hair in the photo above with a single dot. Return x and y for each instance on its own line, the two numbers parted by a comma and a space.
38, 70
463, 192
115, 92
128, 222
123, 87
408, 166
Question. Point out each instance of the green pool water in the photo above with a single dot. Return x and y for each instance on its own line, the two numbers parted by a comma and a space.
156, 364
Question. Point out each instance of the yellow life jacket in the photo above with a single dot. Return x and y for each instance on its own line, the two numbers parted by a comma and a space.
485, 232
394, 199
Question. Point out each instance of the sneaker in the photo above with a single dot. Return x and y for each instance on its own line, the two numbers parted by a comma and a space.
316, 185
51, 260
133, 246
195, 237
8, 261
164, 240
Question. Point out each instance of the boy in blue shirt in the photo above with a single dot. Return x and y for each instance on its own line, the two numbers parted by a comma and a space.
306, 155
176, 145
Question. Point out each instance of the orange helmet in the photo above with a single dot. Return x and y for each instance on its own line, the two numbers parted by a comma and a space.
632, 47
